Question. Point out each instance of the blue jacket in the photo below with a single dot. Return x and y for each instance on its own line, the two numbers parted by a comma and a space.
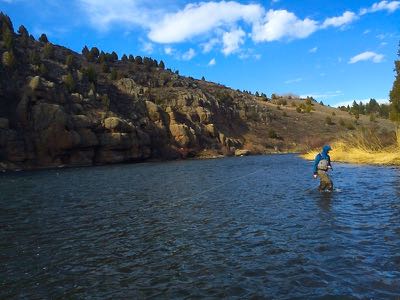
323, 155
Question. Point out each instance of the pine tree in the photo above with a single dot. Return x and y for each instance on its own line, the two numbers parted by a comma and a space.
5, 23
85, 51
23, 32
8, 39
138, 60
91, 74
34, 58
48, 51
70, 82
114, 56
69, 61
94, 54
43, 70
124, 58
114, 74
43, 39
394, 96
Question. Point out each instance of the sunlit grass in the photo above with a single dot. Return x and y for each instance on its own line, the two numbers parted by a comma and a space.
363, 148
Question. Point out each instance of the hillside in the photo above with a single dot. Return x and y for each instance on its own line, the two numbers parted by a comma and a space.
61, 108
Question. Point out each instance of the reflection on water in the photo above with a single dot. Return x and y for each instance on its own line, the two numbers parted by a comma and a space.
238, 227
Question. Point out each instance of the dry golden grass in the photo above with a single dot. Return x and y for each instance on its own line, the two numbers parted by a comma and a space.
363, 148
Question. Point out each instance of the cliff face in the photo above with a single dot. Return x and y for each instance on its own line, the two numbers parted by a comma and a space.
58, 108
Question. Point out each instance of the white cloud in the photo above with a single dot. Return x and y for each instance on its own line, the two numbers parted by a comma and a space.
389, 6
189, 54
147, 47
207, 47
280, 24
293, 80
103, 13
198, 19
169, 50
367, 55
366, 31
212, 62
313, 50
232, 41
343, 20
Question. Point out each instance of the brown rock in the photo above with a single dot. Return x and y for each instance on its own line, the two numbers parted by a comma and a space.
117, 125
118, 140
87, 138
242, 152
81, 121
182, 135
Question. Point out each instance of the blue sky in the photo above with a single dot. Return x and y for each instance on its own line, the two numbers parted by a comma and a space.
335, 51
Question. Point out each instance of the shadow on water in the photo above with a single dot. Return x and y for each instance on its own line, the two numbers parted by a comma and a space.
324, 200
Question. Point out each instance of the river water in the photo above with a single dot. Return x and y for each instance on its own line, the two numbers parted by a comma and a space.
249, 227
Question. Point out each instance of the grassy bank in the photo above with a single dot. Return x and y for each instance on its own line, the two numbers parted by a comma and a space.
364, 147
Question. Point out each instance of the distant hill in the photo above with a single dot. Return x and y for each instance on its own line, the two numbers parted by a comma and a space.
58, 107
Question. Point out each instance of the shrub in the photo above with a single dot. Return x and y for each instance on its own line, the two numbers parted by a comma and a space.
69, 82
8, 59
69, 61
350, 126
114, 74
43, 70
272, 134
328, 120
105, 100
34, 58
372, 118
298, 109
342, 123
91, 74
333, 113
48, 51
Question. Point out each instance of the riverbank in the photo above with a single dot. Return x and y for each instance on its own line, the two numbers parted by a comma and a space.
363, 148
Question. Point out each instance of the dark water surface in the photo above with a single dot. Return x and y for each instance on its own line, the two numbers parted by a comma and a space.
249, 227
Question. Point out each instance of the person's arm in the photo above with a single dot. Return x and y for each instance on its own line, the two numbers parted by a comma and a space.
329, 163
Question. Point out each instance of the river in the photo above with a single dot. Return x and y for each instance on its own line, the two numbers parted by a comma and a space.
248, 227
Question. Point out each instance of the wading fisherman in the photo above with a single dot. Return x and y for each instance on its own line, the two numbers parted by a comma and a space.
322, 164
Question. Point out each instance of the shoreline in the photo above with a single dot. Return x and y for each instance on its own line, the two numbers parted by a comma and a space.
151, 160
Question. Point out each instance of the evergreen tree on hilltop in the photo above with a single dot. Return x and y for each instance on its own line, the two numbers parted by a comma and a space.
85, 51
43, 38
394, 96
24, 34
5, 24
